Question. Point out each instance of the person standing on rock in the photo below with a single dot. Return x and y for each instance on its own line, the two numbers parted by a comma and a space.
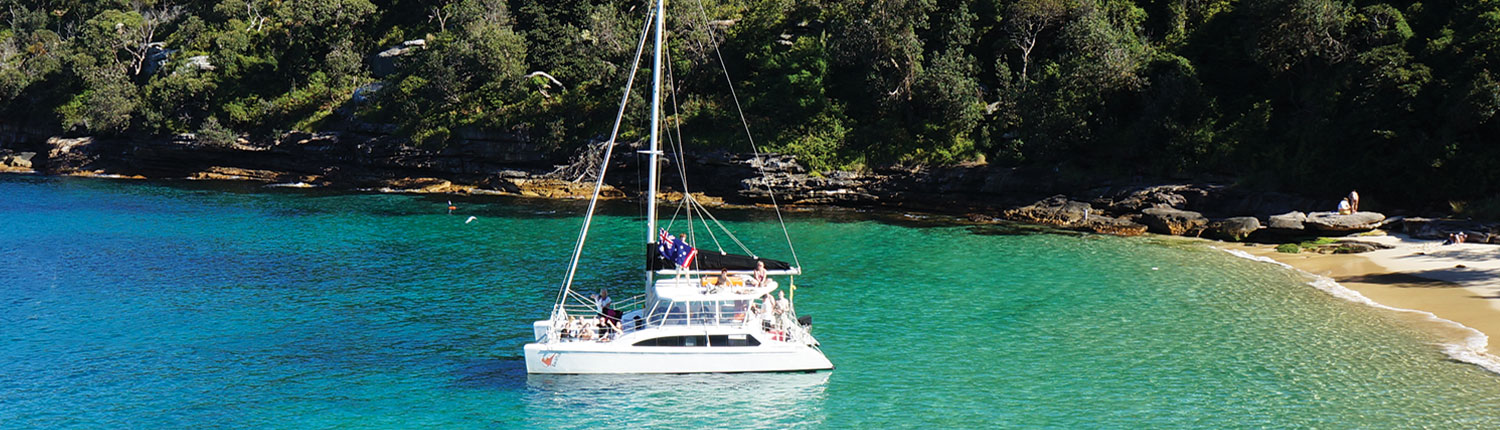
1353, 201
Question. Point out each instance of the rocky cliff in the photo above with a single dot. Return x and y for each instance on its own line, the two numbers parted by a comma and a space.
509, 164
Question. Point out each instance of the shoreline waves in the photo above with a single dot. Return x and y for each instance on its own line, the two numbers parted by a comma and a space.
1411, 279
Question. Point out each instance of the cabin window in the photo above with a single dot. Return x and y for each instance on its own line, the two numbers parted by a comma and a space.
675, 341
733, 340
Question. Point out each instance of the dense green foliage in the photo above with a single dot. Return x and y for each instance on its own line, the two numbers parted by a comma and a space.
1395, 97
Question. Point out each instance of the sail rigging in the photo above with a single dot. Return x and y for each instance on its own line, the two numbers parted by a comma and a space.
654, 28
687, 321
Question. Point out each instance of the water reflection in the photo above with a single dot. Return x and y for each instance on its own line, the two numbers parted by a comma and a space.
758, 400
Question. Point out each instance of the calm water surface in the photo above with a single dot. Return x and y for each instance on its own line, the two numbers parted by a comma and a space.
195, 305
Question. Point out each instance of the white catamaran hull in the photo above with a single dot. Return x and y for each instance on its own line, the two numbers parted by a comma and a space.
585, 357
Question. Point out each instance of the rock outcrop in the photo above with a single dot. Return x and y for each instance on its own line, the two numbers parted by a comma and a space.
1235, 228
1056, 211
1333, 222
1288, 221
368, 157
16, 162
1059, 211
1171, 221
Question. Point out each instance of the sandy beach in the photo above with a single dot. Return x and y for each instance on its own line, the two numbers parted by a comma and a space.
1458, 283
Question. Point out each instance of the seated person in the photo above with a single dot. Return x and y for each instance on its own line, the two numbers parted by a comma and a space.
760, 273
723, 280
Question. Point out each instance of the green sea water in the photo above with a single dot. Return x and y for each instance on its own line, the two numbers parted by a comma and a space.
208, 305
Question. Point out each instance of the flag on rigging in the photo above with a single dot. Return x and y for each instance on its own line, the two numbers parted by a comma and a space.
664, 245
675, 249
685, 253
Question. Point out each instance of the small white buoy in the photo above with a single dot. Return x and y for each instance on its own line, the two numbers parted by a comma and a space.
1154, 268
471, 219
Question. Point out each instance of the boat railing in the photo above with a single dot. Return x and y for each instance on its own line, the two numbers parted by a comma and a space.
779, 326
582, 309
630, 303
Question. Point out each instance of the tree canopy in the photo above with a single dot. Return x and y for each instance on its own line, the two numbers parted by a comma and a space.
1326, 95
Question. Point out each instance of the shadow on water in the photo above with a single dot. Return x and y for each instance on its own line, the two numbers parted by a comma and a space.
504, 373
1018, 229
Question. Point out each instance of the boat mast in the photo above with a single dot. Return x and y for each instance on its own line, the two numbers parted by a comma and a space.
654, 152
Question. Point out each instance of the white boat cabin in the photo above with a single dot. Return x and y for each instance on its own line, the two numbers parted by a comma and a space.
685, 310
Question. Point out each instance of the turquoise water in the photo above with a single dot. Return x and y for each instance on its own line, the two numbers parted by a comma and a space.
193, 305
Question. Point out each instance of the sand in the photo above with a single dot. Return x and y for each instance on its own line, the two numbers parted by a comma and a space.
1458, 283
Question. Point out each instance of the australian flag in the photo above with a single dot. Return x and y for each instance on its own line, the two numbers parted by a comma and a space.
675, 249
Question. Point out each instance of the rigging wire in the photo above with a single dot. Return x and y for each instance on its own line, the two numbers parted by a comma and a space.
724, 228
680, 151
761, 166
690, 201
609, 148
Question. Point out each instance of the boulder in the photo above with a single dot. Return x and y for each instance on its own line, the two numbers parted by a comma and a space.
1056, 210
1115, 226
16, 162
1234, 228
1172, 221
1333, 222
1288, 221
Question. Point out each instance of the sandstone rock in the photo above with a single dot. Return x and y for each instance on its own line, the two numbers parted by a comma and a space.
556, 189
1288, 221
1116, 226
1056, 210
1332, 221
16, 161
425, 186
1135, 199
764, 174
1234, 228
220, 173
703, 199
1172, 221
67, 155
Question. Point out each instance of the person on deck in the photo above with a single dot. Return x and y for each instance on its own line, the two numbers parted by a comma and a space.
723, 280
770, 321
782, 304
760, 273
683, 268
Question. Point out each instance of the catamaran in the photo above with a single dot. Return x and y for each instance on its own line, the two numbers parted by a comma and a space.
701, 312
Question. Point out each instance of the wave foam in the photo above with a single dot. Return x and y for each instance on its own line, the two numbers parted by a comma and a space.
1471, 350
290, 185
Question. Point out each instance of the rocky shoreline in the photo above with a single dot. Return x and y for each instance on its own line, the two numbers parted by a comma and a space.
509, 165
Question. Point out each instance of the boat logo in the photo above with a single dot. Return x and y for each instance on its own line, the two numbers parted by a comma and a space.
549, 359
